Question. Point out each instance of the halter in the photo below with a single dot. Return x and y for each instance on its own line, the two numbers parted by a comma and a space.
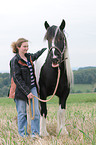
61, 52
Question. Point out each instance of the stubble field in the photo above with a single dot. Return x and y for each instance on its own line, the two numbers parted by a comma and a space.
80, 122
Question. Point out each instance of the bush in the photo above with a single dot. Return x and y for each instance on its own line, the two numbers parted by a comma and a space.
95, 90
4, 84
79, 91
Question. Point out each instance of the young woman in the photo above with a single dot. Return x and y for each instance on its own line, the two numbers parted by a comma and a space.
23, 85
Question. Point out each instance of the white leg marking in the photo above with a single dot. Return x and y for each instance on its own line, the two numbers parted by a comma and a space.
43, 129
61, 121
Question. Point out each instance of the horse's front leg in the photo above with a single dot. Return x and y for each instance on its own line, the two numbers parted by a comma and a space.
43, 129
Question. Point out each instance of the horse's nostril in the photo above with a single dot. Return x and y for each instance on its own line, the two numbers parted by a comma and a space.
54, 60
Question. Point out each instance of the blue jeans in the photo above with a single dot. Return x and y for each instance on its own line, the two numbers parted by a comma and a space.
22, 116
35, 124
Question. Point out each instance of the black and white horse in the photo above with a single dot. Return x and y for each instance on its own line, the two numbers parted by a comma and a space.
57, 57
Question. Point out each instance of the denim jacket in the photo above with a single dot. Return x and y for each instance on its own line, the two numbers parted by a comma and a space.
20, 75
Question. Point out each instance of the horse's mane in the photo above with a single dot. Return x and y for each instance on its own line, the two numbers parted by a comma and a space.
67, 64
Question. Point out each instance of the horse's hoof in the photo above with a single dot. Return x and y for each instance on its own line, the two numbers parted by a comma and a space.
44, 134
62, 131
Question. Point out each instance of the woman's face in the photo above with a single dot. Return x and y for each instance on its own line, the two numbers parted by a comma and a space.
24, 48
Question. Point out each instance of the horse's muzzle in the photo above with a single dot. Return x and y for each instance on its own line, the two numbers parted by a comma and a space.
55, 62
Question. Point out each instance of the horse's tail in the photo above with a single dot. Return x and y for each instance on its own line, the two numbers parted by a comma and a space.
68, 67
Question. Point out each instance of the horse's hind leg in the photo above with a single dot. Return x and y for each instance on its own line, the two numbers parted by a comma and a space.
61, 115
61, 121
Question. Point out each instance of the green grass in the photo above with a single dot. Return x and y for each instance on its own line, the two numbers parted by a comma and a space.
5, 101
76, 98
82, 98
80, 122
83, 88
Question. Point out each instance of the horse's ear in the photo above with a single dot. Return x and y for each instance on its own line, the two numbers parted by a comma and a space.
62, 26
46, 25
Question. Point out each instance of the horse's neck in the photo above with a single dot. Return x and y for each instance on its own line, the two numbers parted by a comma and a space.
62, 66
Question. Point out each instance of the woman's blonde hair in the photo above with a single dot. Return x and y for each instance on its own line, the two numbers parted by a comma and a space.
18, 43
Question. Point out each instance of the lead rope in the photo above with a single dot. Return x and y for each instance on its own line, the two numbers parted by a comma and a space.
30, 112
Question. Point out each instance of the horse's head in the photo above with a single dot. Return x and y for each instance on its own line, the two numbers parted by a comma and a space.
56, 43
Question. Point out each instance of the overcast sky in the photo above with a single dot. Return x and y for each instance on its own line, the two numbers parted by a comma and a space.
25, 18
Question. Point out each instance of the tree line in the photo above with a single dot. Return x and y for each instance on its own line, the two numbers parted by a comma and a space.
4, 84
85, 75
81, 76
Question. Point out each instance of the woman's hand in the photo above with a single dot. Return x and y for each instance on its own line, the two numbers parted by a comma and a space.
30, 96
